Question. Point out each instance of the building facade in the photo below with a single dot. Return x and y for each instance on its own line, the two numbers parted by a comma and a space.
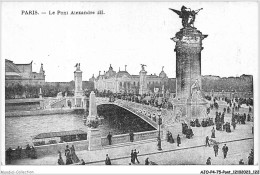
123, 82
22, 74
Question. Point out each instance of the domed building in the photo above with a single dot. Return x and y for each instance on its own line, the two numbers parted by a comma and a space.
123, 81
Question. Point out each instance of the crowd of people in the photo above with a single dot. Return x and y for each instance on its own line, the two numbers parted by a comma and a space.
204, 123
71, 156
153, 99
19, 152
169, 138
133, 159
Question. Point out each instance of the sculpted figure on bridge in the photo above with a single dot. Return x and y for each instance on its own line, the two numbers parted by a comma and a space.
187, 15
77, 66
143, 65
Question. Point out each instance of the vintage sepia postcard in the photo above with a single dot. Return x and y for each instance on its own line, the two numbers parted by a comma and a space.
169, 85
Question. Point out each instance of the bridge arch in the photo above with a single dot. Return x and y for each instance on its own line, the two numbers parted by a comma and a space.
152, 121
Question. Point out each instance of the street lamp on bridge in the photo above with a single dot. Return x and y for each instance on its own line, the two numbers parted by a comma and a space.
159, 134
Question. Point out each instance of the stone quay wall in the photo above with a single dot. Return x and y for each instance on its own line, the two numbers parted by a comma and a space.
123, 138
54, 148
51, 149
37, 112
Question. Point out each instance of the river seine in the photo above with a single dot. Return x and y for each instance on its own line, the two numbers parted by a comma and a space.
20, 130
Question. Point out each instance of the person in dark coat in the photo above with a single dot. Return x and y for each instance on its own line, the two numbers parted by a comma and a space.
8, 155
234, 125
131, 134
109, 137
241, 162
60, 160
135, 156
69, 160
83, 162
171, 140
33, 153
67, 151
207, 141
248, 117
18, 152
146, 162
251, 158
107, 161
215, 148
208, 161
178, 140
225, 150
213, 133
228, 127
74, 156
132, 157
168, 136
68, 155
28, 150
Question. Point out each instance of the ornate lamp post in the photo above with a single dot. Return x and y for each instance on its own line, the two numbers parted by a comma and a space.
159, 134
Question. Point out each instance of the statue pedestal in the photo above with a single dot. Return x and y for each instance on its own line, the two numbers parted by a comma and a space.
94, 139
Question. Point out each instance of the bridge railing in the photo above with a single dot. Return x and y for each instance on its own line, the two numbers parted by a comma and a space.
145, 114
148, 112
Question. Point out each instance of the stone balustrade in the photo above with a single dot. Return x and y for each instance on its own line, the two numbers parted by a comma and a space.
124, 138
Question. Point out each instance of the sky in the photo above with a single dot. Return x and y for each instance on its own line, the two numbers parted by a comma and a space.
129, 34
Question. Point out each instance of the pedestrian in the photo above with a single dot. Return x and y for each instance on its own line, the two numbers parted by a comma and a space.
33, 153
213, 133
18, 152
132, 157
225, 150
83, 162
131, 134
107, 161
67, 151
60, 160
215, 148
74, 155
178, 140
28, 150
69, 160
171, 140
251, 158
234, 125
109, 137
135, 156
146, 162
207, 141
208, 161
8, 155
168, 136
248, 117
241, 162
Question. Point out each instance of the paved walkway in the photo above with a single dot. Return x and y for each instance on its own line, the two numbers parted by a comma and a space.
191, 151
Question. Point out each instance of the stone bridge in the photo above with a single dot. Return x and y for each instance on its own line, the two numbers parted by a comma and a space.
146, 112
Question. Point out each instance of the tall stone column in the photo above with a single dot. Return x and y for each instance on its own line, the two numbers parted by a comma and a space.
94, 135
188, 103
188, 60
78, 81
40, 93
143, 81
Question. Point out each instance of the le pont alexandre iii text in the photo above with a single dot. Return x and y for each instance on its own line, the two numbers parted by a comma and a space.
61, 12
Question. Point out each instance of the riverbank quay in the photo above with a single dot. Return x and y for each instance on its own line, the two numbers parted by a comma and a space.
193, 151
39, 112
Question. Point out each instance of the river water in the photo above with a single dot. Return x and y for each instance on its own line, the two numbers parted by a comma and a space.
20, 130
